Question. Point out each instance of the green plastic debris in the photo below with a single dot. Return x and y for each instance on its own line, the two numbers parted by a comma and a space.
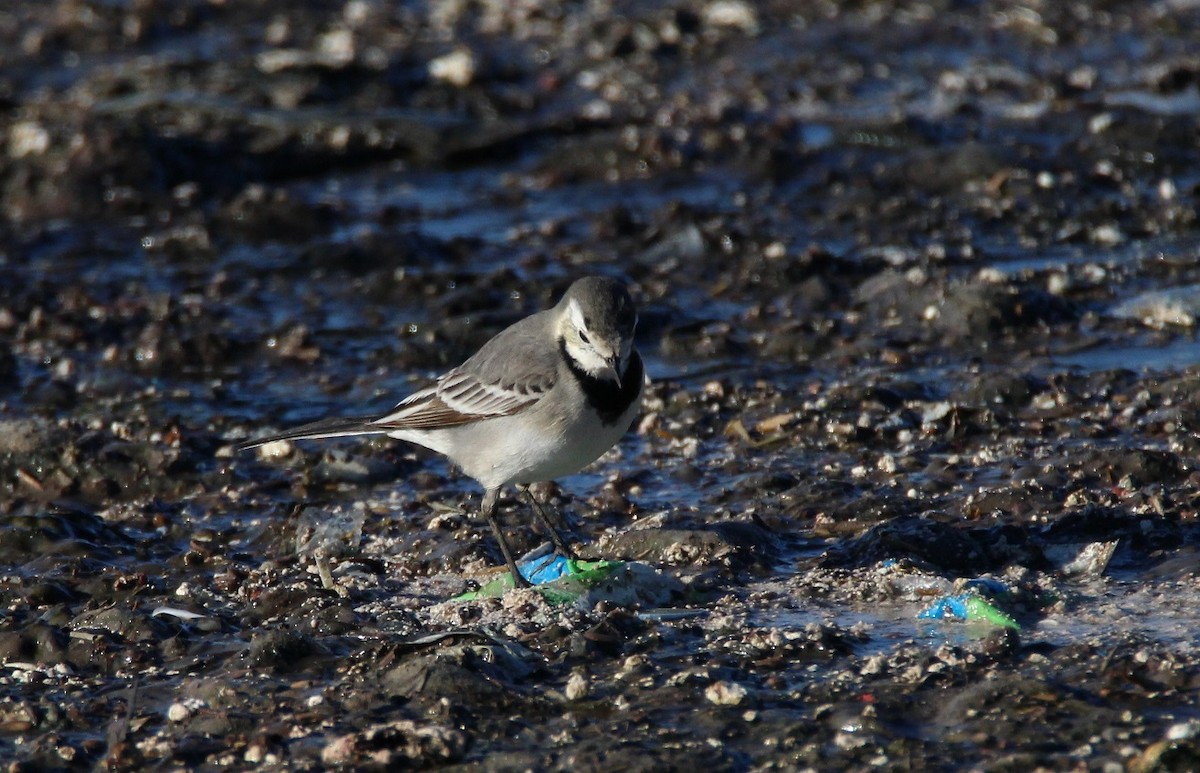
967, 606
584, 583
578, 578
981, 609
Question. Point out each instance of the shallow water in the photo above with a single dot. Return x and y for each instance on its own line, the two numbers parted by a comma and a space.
1181, 353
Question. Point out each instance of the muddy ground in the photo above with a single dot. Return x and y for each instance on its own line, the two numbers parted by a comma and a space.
918, 286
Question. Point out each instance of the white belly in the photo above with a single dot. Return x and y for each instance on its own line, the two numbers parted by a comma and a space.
545, 442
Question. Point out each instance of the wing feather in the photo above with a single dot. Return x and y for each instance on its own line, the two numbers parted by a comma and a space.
461, 398
510, 373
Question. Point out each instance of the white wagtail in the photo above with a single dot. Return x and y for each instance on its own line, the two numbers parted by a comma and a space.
542, 399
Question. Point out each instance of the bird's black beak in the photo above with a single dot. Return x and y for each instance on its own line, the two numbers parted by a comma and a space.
613, 371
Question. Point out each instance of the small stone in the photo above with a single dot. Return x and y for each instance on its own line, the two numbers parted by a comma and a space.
874, 666
577, 687
336, 47
732, 14
339, 751
456, 68
725, 693
276, 449
1058, 283
178, 712
1107, 235
1183, 731
27, 138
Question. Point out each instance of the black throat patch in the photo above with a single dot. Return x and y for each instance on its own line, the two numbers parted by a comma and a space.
605, 397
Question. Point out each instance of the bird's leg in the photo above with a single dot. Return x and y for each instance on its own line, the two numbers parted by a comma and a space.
560, 545
488, 510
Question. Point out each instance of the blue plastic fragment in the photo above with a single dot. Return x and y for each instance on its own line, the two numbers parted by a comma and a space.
968, 606
954, 607
988, 586
544, 569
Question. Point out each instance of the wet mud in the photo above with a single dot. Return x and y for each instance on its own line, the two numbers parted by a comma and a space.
918, 290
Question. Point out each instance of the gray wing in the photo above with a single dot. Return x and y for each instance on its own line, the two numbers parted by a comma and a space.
512, 371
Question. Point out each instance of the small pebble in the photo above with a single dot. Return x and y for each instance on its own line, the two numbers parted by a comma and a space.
577, 687
725, 693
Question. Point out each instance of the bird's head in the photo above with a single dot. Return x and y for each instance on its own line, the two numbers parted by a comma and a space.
596, 323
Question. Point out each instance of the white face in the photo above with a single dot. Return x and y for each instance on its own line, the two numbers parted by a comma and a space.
598, 355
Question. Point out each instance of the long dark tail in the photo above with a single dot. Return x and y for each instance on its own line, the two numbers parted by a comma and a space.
325, 428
